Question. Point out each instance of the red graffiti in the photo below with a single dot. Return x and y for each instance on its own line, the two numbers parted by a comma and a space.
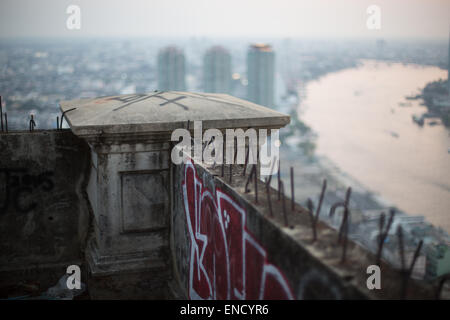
226, 262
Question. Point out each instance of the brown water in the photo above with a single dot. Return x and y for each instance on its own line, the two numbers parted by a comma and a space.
363, 129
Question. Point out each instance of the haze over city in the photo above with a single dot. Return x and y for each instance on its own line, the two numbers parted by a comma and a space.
359, 91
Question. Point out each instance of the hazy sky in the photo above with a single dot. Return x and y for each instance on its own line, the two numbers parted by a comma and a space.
267, 18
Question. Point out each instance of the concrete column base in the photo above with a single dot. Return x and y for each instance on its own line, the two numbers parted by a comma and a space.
130, 276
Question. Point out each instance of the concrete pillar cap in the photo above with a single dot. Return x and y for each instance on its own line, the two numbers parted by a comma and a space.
161, 112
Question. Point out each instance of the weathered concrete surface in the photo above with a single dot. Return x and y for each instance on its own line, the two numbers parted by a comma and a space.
130, 183
227, 246
44, 214
129, 192
165, 112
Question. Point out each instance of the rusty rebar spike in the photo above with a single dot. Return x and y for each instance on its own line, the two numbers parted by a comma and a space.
271, 173
345, 236
322, 195
441, 286
279, 180
407, 274
269, 200
246, 160
230, 170
310, 206
32, 123
257, 149
223, 157
286, 222
383, 234
255, 178
334, 207
380, 238
341, 204
62, 118
416, 255
346, 213
292, 190
6, 122
1, 113
248, 179
235, 149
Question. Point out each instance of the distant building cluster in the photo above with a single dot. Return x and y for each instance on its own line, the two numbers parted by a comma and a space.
217, 72
434, 258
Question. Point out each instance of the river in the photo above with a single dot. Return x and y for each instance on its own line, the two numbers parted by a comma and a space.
364, 126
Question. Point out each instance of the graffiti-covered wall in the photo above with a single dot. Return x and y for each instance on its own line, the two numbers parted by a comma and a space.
225, 249
43, 213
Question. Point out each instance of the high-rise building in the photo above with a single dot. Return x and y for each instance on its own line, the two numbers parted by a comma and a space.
261, 74
171, 69
217, 70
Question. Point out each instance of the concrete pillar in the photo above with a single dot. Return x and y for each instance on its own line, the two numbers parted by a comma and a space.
130, 180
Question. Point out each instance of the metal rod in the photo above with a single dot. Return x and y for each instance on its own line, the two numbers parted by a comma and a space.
32, 123
407, 274
257, 149
322, 195
345, 231
441, 286
248, 179
1, 113
57, 123
383, 234
416, 255
63, 114
271, 172
286, 222
255, 178
223, 156
310, 206
380, 240
292, 190
231, 173
6, 122
269, 200
235, 149
246, 160
279, 180
345, 219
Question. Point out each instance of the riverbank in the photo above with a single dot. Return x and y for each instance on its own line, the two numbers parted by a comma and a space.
358, 129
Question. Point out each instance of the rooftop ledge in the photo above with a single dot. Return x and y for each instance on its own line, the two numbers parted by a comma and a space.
165, 111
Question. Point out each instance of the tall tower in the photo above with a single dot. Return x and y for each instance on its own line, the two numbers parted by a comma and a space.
217, 70
261, 74
171, 69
